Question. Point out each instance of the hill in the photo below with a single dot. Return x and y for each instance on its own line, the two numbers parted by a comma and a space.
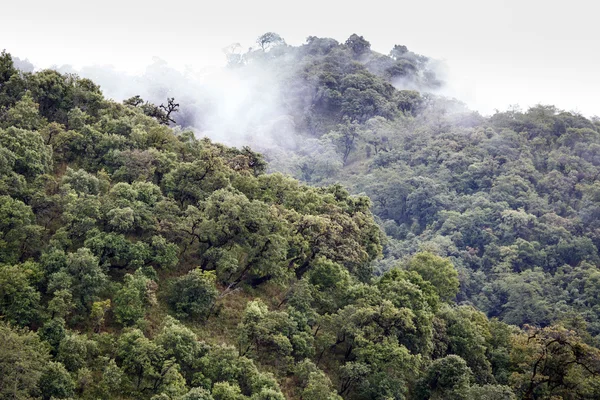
138, 261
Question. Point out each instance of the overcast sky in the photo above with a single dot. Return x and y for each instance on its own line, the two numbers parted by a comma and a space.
497, 53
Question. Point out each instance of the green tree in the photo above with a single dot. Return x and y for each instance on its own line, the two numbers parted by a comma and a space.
194, 294
131, 301
553, 362
99, 309
180, 343
19, 299
75, 351
17, 227
88, 278
346, 138
144, 361
23, 358
227, 391
24, 115
55, 382
446, 378
437, 270
266, 334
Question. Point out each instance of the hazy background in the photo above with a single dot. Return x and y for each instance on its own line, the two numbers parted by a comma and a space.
496, 53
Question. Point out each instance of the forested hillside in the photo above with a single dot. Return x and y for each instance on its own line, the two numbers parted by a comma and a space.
511, 199
141, 261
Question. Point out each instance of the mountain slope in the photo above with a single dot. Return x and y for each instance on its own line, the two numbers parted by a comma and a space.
137, 261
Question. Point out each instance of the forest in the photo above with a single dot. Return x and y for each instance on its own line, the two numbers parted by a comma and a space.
388, 243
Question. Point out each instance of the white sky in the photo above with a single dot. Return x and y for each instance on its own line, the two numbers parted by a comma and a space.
498, 53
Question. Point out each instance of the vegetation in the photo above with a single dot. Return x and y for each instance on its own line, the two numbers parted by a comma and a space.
138, 261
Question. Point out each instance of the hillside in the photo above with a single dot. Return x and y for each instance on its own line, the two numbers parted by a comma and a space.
512, 199
138, 260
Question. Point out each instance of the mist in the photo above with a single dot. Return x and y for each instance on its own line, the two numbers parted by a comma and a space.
249, 103
234, 106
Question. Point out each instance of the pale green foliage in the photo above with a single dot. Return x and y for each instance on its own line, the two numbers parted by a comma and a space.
197, 394
75, 350
99, 309
87, 276
23, 358
112, 378
437, 270
24, 115
31, 156
133, 298
227, 391
490, 392
181, 344
19, 300
17, 227
446, 378
314, 382
82, 182
268, 394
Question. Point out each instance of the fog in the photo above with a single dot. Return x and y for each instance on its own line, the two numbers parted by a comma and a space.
498, 54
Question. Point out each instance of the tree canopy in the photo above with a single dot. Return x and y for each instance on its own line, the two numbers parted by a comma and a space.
406, 249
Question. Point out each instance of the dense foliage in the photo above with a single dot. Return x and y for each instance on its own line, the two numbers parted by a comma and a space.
512, 200
137, 261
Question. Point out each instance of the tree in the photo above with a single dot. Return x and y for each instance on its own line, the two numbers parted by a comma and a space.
233, 55
554, 362
53, 92
180, 343
55, 382
345, 138
407, 290
466, 333
266, 333
24, 115
17, 229
19, 299
524, 299
161, 113
132, 299
23, 358
27, 148
82, 182
437, 270
190, 182
7, 67
11, 81
112, 378
358, 44
99, 309
446, 378
194, 294
269, 40
244, 240
53, 332
315, 383
227, 391
74, 351
197, 394
144, 361
87, 276
490, 392
169, 109
398, 51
